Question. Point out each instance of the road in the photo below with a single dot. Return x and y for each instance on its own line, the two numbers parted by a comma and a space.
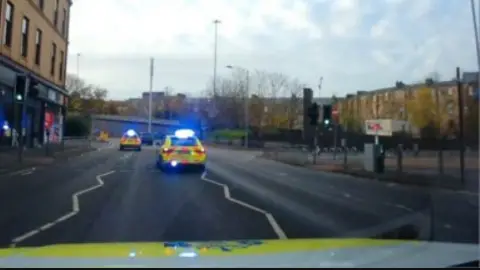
113, 196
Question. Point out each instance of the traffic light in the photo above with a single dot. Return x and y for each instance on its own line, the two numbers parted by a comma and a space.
20, 88
313, 114
327, 114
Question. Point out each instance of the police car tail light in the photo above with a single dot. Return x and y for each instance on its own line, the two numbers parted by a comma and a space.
199, 150
167, 150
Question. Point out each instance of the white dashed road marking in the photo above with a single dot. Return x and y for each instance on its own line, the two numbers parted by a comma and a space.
75, 210
226, 191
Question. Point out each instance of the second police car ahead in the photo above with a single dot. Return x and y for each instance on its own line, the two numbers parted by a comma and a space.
130, 140
181, 149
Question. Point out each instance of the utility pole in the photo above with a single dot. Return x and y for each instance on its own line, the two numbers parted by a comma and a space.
247, 118
477, 44
215, 22
461, 126
315, 131
150, 96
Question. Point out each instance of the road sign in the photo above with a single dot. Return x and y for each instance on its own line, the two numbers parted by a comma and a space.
378, 127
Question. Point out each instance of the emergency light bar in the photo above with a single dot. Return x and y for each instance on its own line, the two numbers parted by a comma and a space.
131, 133
184, 133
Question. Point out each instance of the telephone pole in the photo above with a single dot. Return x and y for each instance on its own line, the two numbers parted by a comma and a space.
215, 22
150, 96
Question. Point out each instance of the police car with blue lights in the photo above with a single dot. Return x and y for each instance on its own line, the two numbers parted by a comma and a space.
182, 149
131, 140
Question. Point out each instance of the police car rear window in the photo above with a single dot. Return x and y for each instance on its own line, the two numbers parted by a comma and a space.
183, 141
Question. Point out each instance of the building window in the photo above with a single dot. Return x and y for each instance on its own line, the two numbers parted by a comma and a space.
55, 14
64, 22
53, 59
25, 30
60, 67
38, 46
41, 4
7, 34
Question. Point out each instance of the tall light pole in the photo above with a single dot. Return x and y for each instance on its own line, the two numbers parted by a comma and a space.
246, 113
215, 22
477, 45
150, 96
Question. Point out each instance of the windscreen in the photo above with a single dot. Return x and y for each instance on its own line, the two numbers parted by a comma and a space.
184, 141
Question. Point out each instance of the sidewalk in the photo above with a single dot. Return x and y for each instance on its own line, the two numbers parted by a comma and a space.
38, 157
420, 172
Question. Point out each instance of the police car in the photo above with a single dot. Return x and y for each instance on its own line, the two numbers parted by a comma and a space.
130, 140
182, 149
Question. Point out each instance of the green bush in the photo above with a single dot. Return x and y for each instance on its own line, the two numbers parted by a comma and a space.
231, 134
77, 126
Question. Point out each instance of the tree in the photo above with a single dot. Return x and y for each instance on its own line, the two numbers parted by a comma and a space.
85, 98
425, 115
274, 99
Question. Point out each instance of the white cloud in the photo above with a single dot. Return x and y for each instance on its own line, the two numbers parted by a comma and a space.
353, 44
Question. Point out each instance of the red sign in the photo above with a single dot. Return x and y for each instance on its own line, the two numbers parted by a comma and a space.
335, 112
375, 127
49, 118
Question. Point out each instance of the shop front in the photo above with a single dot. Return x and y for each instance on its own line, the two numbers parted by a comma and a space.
43, 113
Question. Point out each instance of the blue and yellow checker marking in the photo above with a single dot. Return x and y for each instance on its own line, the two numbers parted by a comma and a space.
221, 248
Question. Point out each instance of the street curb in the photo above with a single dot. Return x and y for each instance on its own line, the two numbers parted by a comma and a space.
438, 188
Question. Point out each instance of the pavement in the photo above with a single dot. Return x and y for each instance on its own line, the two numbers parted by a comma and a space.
37, 157
119, 196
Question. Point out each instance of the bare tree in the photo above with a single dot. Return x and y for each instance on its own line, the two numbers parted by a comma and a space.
295, 104
274, 99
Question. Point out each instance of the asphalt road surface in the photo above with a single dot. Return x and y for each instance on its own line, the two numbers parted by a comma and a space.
118, 196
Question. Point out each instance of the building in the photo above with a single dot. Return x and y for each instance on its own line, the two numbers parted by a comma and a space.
406, 102
34, 44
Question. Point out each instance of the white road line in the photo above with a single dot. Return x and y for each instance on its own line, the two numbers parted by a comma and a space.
23, 171
75, 210
226, 191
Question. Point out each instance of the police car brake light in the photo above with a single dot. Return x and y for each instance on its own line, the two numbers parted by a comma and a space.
184, 133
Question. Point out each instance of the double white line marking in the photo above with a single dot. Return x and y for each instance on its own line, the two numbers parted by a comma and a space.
75, 211
271, 220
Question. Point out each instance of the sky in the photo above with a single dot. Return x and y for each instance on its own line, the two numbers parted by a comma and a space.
353, 44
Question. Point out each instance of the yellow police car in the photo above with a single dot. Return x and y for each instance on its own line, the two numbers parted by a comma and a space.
131, 140
183, 149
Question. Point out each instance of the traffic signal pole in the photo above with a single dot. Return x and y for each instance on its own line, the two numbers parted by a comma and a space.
313, 115
335, 128
23, 118
315, 144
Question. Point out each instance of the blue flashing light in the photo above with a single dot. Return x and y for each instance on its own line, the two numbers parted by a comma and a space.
131, 133
6, 126
184, 133
174, 163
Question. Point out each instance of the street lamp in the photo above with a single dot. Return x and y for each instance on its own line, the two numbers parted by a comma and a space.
246, 100
477, 45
